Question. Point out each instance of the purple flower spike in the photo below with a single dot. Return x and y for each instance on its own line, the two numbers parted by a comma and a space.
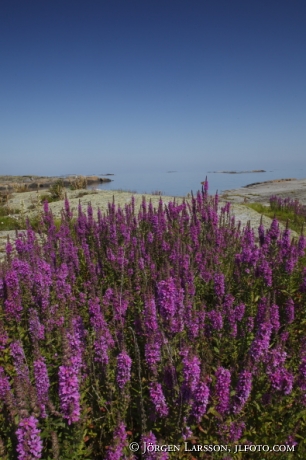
120, 437
219, 284
235, 431
29, 443
42, 383
243, 391
158, 399
223, 389
261, 342
201, 397
191, 372
146, 441
124, 364
274, 229
69, 393
4, 384
19, 360
282, 380
167, 298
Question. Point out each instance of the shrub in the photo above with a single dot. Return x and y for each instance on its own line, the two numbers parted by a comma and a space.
78, 183
57, 190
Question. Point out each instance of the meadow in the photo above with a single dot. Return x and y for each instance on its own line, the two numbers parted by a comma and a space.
158, 326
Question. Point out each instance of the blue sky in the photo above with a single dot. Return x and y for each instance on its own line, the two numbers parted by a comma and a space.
112, 86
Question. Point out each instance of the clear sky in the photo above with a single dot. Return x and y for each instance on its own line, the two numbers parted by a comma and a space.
99, 86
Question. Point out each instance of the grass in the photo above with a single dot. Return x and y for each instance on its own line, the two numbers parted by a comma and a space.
295, 222
9, 223
48, 197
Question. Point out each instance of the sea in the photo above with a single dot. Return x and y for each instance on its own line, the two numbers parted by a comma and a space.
180, 183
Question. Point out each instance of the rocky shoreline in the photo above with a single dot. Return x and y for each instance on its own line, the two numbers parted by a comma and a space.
10, 183
260, 192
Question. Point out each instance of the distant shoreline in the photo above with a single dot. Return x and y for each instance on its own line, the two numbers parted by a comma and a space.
238, 172
31, 182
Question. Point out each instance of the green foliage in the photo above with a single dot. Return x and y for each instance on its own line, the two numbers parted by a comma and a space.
57, 190
10, 223
51, 198
295, 222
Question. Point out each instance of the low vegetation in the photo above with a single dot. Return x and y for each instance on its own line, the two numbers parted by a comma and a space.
286, 210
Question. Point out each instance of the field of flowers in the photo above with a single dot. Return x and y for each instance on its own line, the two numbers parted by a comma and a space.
159, 326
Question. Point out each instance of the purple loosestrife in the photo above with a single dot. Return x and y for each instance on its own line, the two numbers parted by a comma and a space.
239, 312
150, 317
124, 365
281, 380
104, 340
243, 390
191, 373
42, 383
116, 451
187, 431
158, 399
301, 246
261, 233
42, 282
166, 294
261, 342
219, 284
148, 443
275, 358
63, 288
120, 306
3, 338
28, 436
236, 430
170, 301
291, 262
216, 320
13, 307
274, 230
69, 393
222, 389
250, 324
284, 243
265, 271
19, 360
69, 373
200, 401
37, 330
274, 317
4, 384
153, 352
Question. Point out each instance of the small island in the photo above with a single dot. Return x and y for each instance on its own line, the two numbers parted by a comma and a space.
238, 172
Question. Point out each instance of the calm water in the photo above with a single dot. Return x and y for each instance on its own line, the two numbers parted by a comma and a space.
180, 183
